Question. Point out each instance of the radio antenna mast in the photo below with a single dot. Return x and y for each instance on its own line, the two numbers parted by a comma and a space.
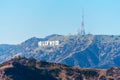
82, 29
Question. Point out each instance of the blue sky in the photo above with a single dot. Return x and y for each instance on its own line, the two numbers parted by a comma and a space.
23, 19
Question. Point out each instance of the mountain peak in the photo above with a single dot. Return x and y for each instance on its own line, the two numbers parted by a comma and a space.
88, 51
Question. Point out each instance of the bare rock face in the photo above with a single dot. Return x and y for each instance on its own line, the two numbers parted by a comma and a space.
21, 68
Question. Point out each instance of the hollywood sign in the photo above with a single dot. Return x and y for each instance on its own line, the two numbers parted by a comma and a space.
48, 43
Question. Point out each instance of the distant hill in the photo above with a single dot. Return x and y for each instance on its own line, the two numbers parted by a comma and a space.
21, 68
88, 51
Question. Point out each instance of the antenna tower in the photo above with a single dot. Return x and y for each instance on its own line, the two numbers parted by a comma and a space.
82, 29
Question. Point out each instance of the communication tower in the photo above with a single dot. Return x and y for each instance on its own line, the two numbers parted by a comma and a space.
82, 28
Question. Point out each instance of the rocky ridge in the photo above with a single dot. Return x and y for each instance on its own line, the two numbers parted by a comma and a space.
88, 51
21, 68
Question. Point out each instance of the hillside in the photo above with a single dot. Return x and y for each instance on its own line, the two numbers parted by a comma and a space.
88, 51
21, 68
